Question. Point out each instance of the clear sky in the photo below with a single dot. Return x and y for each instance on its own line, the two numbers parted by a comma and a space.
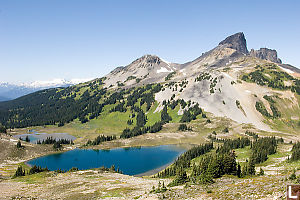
47, 39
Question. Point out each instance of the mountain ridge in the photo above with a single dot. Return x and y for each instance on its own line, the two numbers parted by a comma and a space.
235, 42
14, 90
225, 81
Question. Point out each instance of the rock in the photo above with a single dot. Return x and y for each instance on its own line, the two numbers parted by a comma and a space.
151, 59
266, 54
237, 42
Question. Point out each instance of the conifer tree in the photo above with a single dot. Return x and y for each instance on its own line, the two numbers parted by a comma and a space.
165, 117
19, 145
251, 168
238, 171
19, 172
261, 172
27, 139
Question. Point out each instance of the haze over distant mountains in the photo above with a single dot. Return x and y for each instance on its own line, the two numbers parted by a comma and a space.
10, 91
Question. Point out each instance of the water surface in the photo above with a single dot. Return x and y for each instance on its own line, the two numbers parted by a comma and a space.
35, 136
131, 161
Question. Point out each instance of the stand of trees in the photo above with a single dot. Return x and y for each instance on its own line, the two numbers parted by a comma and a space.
26, 139
214, 166
184, 160
230, 144
249, 133
210, 166
57, 144
260, 107
184, 127
141, 120
191, 113
2, 129
296, 152
20, 172
33, 170
60, 106
165, 117
51, 140
37, 169
263, 147
275, 80
136, 131
101, 138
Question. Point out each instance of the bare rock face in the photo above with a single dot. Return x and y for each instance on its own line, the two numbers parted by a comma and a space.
117, 70
266, 54
237, 42
148, 59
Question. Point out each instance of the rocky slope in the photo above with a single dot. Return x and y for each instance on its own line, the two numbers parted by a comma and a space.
226, 81
266, 54
219, 92
147, 69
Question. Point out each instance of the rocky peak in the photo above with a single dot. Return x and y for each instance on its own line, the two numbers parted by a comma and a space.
148, 59
237, 42
266, 54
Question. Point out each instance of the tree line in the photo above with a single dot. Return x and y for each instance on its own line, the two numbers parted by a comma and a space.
184, 160
33, 170
261, 148
275, 80
223, 161
101, 138
295, 152
58, 106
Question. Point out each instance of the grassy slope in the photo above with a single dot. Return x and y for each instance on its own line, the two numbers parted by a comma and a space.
289, 121
151, 115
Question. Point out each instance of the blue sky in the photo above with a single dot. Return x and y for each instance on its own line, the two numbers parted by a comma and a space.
42, 40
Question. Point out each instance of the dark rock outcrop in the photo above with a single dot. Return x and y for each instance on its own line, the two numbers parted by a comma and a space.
265, 54
117, 70
237, 42
152, 59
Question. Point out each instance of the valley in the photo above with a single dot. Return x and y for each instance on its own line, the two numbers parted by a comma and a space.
237, 113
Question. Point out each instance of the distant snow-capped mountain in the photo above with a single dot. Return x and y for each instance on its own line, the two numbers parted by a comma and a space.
10, 91
54, 83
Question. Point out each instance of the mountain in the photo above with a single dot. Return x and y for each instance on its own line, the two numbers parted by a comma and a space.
148, 69
230, 82
4, 99
237, 42
10, 91
266, 54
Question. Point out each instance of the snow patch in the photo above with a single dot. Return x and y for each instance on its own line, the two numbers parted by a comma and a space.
163, 69
248, 91
166, 61
54, 83
182, 71
227, 75
287, 70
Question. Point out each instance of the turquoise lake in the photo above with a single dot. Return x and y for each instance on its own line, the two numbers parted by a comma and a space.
35, 136
131, 161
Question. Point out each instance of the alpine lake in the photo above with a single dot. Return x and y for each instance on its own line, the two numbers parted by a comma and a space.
131, 161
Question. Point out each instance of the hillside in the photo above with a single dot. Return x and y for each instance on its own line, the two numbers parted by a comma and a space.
226, 81
237, 113
10, 91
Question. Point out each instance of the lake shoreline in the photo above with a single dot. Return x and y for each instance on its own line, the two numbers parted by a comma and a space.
154, 171
137, 154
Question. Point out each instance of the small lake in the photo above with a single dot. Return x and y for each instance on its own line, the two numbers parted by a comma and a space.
35, 136
131, 161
